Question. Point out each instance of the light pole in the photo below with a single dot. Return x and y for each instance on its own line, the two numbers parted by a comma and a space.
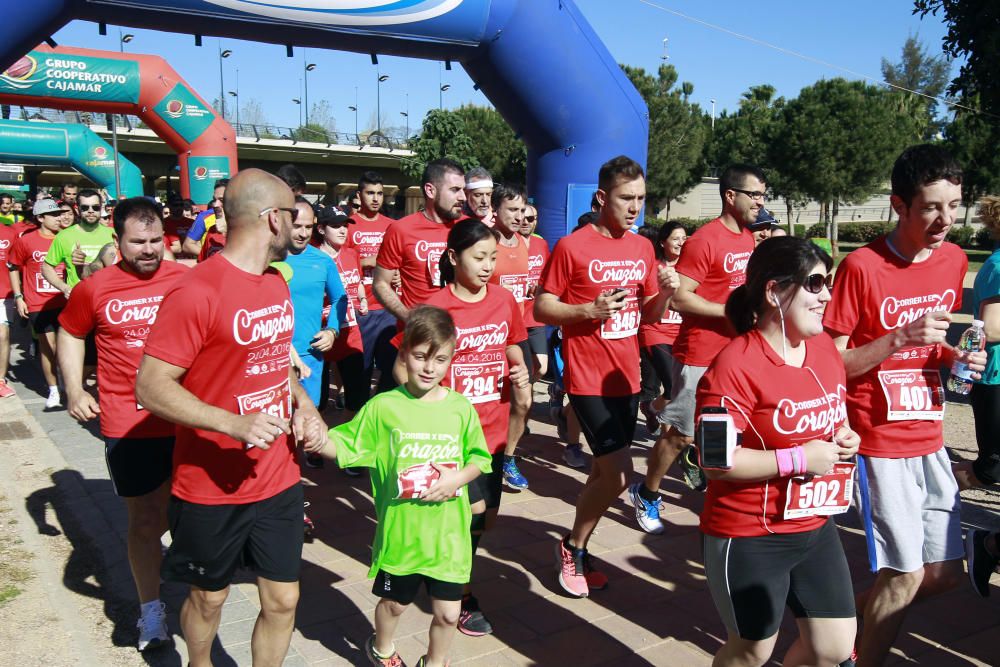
406, 115
223, 53
305, 74
665, 57
713, 115
382, 78
441, 92
124, 39
299, 102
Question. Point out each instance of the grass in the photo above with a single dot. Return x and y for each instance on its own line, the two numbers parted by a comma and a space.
13, 559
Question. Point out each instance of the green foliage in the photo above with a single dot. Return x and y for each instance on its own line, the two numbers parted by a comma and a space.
677, 133
442, 135
863, 232
963, 235
974, 139
495, 145
921, 72
312, 132
814, 231
984, 239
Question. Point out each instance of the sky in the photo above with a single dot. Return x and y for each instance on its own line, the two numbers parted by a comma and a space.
830, 37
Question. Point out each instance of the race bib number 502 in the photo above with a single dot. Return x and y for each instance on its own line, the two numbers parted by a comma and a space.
821, 495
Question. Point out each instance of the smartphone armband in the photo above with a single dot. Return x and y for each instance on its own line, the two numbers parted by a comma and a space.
716, 438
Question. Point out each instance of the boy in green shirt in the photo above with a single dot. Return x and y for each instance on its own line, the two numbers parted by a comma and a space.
424, 444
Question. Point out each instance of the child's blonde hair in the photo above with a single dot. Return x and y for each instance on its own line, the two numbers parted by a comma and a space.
989, 214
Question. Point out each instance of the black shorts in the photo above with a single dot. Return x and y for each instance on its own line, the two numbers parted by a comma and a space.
90, 350
211, 541
752, 579
45, 320
661, 357
607, 421
525, 346
138, 466
985, 400
357, 383
489, 487
537, 341
403, 588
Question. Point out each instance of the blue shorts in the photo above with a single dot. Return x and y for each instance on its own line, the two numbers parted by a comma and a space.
314, 383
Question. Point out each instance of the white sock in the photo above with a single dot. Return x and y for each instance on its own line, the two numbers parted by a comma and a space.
148, 607
53, 389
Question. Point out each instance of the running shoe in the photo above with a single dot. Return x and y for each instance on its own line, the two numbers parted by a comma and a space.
314, 461
569, 565
981, 562
53, 401
153, 628
694, 476
374, 658
596, 580
471, 620
647, 514
573, 456
512, 476
652, 423
852, 661
307, 524
5, 389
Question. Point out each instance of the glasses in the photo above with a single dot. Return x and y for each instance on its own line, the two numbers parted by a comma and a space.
294, 212
753, 194
529, 218
90, 207
815, 282
356, 206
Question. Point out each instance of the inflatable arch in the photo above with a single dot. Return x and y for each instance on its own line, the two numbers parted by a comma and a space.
145, 86
538, 61
74, 145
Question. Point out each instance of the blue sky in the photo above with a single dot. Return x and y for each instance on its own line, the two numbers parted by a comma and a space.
851, 34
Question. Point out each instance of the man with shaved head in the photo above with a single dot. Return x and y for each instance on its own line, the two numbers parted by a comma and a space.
218, 367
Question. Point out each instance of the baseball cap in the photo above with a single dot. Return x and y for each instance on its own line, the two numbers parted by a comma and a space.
764, 221
333, 216
44, 206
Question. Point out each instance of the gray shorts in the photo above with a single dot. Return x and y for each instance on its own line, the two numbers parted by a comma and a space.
8, 311
910, 510
679, 412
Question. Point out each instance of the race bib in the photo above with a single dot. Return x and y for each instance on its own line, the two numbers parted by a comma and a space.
671, 317
368, 275
516, 284
480, 383
275, 401
418, 478
821, 495
913, 394
625, 322
43, 286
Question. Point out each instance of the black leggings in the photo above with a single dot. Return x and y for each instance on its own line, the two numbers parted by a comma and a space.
985, 400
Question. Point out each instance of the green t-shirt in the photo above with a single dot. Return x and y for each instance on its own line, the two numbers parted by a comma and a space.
393, 432
11, 219
90, 242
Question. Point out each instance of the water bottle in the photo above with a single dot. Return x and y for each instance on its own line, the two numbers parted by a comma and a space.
973, 340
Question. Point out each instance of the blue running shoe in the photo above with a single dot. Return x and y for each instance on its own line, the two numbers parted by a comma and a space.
512, 476
647, 514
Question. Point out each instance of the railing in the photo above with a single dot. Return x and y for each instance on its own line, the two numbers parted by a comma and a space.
245, 130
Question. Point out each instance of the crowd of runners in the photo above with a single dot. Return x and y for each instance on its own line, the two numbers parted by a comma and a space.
220, 337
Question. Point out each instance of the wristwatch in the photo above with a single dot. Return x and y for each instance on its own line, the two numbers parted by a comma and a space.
18, 296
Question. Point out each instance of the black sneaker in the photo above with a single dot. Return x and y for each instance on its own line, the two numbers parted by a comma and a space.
314, 461
471, 620
981, 562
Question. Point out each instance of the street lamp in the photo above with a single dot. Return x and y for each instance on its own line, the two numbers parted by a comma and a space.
124, 39
444, 89
223, 53
305, 73
713, 115
299, 102
378, 101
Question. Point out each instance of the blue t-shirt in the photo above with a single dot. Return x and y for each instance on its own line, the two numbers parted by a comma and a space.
314, 275
201, 225
987, 286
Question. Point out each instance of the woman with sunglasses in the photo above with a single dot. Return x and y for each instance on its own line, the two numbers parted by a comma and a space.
768, 535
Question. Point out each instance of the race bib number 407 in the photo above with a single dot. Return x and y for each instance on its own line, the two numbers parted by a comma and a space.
913, 394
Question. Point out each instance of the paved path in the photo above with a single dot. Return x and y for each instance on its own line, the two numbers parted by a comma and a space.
656, 611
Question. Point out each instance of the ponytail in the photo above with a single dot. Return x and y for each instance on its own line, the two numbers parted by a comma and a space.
741, 313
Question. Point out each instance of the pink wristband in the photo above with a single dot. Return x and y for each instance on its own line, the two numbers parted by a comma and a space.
785, 463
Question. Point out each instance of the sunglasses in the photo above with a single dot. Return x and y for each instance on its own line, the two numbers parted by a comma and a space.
815, 282
529, 218
356, 206
90, 207
294, 212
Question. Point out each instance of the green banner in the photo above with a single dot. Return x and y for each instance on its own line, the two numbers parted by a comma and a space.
182, 111
75, 77
203, 172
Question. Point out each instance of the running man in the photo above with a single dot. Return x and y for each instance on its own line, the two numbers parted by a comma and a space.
120, 305
220, 369
599, 285
891, 308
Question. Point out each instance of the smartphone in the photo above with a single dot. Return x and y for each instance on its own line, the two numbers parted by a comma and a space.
715, 437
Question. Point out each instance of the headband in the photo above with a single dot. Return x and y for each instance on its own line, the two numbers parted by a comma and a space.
478, 185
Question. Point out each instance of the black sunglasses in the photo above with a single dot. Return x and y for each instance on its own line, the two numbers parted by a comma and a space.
90, 207
356, 206
529, 218
815, 282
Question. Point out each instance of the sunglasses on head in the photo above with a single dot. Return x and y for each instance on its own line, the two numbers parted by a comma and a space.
294, 212
90, 207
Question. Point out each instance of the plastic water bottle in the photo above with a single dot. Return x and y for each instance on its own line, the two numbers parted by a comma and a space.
973, 340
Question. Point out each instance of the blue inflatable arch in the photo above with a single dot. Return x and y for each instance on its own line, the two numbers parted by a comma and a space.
538, 62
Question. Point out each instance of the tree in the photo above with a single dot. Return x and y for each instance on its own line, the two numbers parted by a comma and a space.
313, 132
923, 73
973, 139
442, 135
677, 133
496, 147
321, 115
252, 113
839, 139
973, 26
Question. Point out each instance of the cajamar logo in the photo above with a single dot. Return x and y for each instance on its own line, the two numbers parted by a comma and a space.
19, 74
175, 108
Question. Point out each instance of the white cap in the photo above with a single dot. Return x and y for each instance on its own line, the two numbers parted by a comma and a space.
978, 323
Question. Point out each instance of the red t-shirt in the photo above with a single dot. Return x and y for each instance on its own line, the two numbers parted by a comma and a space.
27, 253
896, 407
7, 237
602, 357
211, 243
538, 255
663, 332
23, 227
511, 270
479, 369
121, 307
414, 245
787, 407
365, 236
175, 228
717, 259
234, 343
349, 340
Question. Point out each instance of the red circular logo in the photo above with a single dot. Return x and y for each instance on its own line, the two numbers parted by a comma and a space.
100, 152
200, 172
22, 69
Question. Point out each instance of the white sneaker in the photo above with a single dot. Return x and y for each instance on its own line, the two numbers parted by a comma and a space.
573, 456
53, 401
153, 628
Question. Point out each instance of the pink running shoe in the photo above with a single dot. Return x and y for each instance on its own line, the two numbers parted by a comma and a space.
569, 564
6, 390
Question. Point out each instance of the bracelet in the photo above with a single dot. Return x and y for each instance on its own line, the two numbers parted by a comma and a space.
799, 460
785, 464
